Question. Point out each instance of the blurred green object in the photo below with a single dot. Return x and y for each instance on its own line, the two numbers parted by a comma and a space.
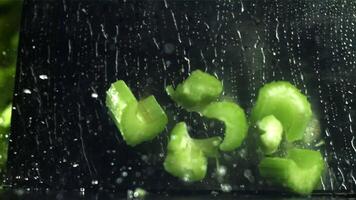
10, 15
5, 120
300, 171
5, 117
6, 85
5, 2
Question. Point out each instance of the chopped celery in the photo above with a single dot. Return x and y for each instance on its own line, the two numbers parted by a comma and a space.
197, 90
234, 119
138, 121
5, 117
300, 171
271, 133
209, 146
117, 98
5, 121
185, 159
6, 85
287, 104
142, 121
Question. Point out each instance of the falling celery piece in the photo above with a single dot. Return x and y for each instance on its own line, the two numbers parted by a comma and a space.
142, 121
184, 159
300, 171
209, 146
187, 157
118, 97
199, 89
234, 119
271, 133
5, 121
287, 104
5, 117
6, 85
3, 149
138, 121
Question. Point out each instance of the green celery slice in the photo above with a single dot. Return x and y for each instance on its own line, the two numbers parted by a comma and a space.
300, 171
234, 119
142, 121
197, 90
5, 117
138, 121
5, 122
118, 97
271, 133
184, 159
209, 146
287, 104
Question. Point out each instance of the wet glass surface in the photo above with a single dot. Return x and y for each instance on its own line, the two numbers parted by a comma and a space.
71, 51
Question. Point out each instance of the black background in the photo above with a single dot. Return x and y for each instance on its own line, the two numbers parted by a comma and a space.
62, 137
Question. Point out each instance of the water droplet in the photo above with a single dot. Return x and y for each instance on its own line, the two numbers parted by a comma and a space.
221, 171
214, 193
248, 175
130, 194
43, 77
27, 91
19, 192
119, 180
94, 95
82, 191
225, 187
139, 193
168, 48
124, 174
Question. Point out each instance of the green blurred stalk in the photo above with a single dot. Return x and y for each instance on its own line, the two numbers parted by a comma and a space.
10, 15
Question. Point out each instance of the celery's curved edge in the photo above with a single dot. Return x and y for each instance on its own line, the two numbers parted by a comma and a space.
198, 89
287, 104
234, 118
300, 171
138, 121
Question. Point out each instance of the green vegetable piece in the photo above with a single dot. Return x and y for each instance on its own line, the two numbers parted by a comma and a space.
5, 121
138, 121
118, 97
271, 133
197, 90
209, 146
185, 159
287, 104
5, 117
313, 131
6, 85
234, 119
300, 171
4, 2
142, 121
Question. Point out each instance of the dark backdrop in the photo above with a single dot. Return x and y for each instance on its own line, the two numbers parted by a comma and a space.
71, 51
